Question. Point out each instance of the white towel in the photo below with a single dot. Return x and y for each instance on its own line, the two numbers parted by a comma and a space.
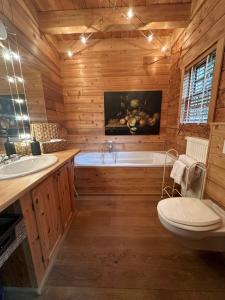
192, 174
177, 172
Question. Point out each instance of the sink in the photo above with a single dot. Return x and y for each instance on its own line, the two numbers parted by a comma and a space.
26, 166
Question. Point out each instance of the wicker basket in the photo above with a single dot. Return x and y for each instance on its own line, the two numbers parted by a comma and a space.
48, 131
53, 146
45, 132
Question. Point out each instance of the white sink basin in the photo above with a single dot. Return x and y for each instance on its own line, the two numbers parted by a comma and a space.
27, 165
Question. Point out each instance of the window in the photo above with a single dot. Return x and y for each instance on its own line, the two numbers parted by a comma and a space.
197, 87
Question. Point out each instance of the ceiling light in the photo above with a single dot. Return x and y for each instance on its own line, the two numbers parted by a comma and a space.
150, 37
70, 53
83, 39
164, 48
130, 13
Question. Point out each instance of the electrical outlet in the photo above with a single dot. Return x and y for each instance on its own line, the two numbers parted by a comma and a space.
224, 147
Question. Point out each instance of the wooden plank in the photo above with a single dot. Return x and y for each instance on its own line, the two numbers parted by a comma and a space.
79, 21
33, 236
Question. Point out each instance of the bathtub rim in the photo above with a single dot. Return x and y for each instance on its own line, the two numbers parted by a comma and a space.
126, 165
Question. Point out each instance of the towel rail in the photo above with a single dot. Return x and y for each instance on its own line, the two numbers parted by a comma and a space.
171, 190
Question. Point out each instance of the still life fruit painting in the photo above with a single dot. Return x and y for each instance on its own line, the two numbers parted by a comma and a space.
132, 113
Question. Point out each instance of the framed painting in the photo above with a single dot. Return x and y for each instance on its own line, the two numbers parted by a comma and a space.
132, 113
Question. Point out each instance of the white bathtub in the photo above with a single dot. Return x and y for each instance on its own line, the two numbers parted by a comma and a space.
126, 159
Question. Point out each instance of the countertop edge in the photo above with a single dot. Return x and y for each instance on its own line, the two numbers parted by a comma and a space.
49, 171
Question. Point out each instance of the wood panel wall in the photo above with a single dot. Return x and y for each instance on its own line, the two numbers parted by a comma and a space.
205, 29
38, 53
100, 69
215, 184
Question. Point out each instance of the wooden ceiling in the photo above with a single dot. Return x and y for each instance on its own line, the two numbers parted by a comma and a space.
51, 5
66, 20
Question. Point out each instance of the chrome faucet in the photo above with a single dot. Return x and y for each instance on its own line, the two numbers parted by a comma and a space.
109, 147
4, 159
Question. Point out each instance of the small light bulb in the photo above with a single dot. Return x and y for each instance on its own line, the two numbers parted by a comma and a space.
130, 13
10, 79
150, 37
15, 56
19, 117
19, 79
24, 136
25, 117
83, 39
164, 49
19, 100
70, 53
6, 55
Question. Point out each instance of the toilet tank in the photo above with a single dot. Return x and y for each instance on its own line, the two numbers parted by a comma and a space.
197, 148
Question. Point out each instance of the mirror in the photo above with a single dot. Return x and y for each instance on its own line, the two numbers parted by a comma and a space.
14, 115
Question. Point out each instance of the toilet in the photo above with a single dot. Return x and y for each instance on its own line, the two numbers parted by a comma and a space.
197, 224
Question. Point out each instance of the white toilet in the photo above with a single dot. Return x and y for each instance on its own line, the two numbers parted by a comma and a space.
198, 224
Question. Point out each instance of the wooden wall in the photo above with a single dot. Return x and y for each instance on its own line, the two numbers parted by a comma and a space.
215, 184
205, 29
38, 53
111, 65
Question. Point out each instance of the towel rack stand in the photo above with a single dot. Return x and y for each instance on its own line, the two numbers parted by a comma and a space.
170, 190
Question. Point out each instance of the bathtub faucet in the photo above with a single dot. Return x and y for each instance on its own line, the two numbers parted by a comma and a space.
109, 147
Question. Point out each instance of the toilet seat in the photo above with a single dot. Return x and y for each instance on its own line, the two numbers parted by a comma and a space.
188, 213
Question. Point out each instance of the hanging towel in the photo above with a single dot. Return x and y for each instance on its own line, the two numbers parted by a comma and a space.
177, 172
191, 174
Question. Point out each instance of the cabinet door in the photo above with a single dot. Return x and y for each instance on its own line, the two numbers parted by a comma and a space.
70, 168
64, 195
46, 207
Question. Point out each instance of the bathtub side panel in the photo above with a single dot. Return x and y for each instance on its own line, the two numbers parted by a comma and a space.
119, 180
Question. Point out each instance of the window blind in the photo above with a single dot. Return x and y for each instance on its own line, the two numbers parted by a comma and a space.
197, 87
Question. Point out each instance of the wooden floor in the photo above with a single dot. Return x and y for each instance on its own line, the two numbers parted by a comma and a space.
116, 249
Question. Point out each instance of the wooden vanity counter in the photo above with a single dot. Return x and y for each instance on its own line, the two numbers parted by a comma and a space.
12, 189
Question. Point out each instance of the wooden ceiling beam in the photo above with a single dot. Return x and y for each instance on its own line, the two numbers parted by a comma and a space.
156, 16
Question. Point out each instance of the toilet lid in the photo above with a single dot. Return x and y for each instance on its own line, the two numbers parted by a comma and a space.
188, 211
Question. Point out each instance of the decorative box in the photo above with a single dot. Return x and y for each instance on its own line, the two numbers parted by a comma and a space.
53, 146
52, 136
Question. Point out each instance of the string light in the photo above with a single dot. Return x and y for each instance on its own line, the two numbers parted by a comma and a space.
22, 117
6, 55
70, 53
164, 48
19, 79
11, 79
19, 100
24, 136
83, 39
130, 13
15, 56
150, 37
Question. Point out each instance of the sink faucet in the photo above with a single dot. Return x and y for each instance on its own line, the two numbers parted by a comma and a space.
4, 159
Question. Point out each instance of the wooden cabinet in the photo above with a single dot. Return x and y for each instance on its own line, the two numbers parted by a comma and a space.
48, 210
63, 184
47, 213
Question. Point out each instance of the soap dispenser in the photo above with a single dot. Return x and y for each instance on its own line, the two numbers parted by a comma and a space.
9, 147
35, 147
